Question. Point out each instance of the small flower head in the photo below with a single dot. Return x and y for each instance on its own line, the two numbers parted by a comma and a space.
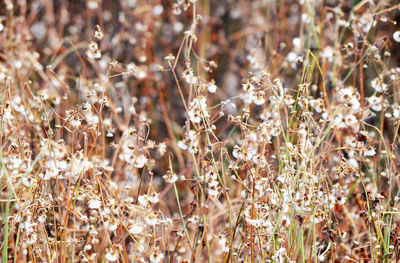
396, 36
198, 109
93, 51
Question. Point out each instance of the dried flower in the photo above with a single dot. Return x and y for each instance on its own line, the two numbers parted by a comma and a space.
98, 33
211, 87
198, 109
378, 85
93, 51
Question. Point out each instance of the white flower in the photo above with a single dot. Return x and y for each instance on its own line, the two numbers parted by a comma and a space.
296, 43
345, 93
156, 257
247, 98
375, 102
352, 162
42, 219
327, 53
131, 68
212, 88
396, 36
198, 109
53, 169
27, 182
75, 122
317, 104
351, 121
136, 229
32, 238
291, 57
378, 85
213, 193
142, 199
396, 112
151, 220
237, 152
259, 97
157, 10
91, 118
112, 256
248, 87
139, 161
370, 151
98, 34
338, 121
141, 73
93, 51
288, 100
162, 148
170, 178
38, 30
367, 24
343, 23
190, 143
170, 57
189, 77
222, 242
87, 247
110, 226
182, 145
349, 96
280, 255
153, 198
92, 5
94, 204
254, 222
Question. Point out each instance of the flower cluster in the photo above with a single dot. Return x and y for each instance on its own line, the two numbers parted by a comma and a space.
235, 131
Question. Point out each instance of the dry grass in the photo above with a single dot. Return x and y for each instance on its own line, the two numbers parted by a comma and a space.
199, 131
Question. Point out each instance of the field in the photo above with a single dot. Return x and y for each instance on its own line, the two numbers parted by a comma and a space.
200, 131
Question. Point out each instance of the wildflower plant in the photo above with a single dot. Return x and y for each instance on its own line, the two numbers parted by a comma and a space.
199, 131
